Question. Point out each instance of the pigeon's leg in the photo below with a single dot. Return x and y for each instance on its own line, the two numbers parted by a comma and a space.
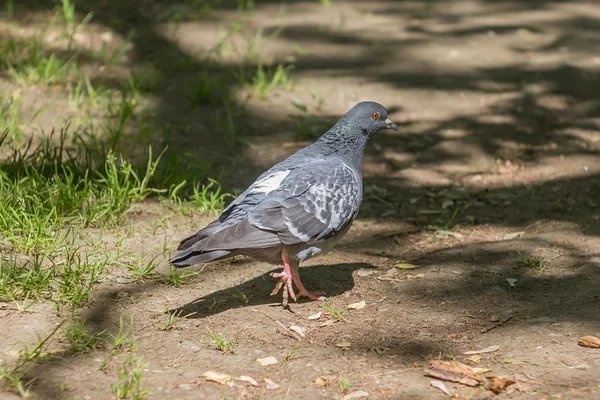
301, 289
285, 280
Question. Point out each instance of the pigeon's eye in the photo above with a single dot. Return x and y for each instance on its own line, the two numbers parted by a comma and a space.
375, 115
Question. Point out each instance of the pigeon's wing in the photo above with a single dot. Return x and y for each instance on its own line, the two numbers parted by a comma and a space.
301, 205
239, 208
311, 204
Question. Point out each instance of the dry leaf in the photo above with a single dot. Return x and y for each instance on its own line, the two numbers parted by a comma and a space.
511, 281
512, 236
450, 233
355, 395
298, 330
216, 376
440, 385
453, 371
328, 322
270, 384
364, 273
357, 306
497, 385
474, 359
589, 341
482, 351
322, 381
248, 379
405, 266
343, 345
266, 361
316, 316
480, 371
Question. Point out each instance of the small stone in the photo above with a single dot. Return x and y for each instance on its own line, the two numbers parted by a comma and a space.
494, 318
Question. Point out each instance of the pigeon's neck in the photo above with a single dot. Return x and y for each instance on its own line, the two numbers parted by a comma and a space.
343, 141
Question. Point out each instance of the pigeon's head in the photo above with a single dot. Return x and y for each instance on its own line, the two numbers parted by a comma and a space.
370, 117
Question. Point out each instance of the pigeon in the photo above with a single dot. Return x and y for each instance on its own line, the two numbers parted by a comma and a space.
298, 209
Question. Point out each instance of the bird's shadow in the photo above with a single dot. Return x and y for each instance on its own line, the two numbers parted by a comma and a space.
333, 279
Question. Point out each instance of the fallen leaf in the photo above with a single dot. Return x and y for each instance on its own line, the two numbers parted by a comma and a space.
216, 376
440, 385
511, 281
497, 385
343, 345
316, 316
364, 273
248, 379
357, 306
398, 278
298, 330
589, 341
355, 395
481, 371
322, 381
483, 351
405, 266
512, 236
474, 359
453, 371
266, 361
450, 233
270, 384
328, 322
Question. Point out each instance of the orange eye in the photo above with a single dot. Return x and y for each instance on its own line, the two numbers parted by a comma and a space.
375, 115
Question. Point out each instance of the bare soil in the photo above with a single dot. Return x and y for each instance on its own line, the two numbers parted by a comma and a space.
499, 108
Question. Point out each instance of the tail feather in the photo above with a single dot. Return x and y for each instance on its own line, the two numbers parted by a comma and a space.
191, 256
205, 232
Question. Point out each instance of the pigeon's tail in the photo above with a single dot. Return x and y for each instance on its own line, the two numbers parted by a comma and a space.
191, 256
205, 232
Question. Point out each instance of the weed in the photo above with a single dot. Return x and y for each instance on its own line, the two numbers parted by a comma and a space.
221, 341
129, 384
79, 340
448, 221
345, 384
143, 269
539, 265
267, 79
243, 297
14, 376
124, 336
329, 308
291, 354
174, 318
177, 278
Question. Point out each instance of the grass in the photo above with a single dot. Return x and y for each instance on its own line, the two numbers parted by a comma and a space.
345, 384
448, 221
129, 379
174, 318
80, 341
14, 374
539, 265
221, 341
330, 309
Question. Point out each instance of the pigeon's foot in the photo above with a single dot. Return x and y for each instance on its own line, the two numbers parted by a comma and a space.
290, 277
285, 282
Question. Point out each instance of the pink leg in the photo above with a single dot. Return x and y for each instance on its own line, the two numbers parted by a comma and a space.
288, 278
285, 280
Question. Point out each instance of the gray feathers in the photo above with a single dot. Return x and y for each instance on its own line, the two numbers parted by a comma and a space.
306, 200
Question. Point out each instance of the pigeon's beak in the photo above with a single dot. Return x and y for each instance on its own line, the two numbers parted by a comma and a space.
390, 125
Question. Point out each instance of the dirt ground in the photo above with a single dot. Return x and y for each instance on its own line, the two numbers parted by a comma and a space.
498, 104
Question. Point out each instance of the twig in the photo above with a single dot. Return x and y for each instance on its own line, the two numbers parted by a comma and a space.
497, 324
